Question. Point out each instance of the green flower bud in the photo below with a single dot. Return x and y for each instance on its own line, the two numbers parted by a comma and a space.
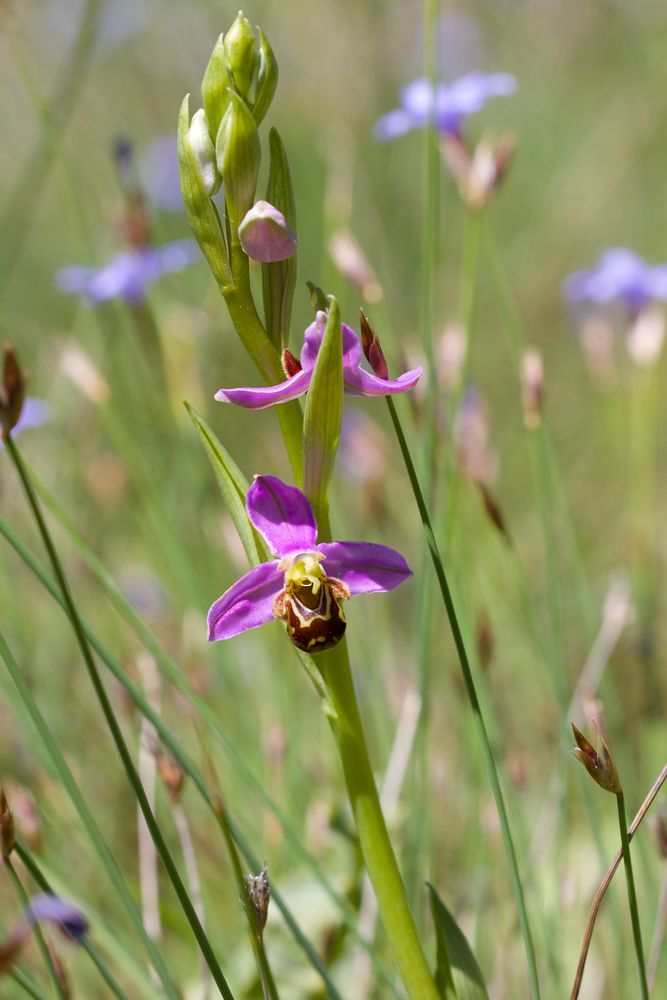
238, 153
215, 88
242, 60
201, 212
267, 78
204, 152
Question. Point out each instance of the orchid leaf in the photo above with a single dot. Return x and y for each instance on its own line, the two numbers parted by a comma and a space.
457, 974
323, 416
279, 278
233, 486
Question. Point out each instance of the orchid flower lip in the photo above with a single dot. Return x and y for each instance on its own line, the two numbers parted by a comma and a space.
330, 572
357, 380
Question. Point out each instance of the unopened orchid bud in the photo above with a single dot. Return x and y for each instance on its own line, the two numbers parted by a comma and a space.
646, 336
479, 174
238, 156
265, 235
242, 59
267, 78
7, 833
291, 365
598, 762
532, 387
258, 889
215, 88
12, 391
204, 152
372, 349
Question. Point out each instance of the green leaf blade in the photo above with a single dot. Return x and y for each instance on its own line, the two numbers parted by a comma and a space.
457, 974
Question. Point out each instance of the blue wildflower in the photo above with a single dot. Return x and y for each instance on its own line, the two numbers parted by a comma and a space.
129, 274
619, 275
446, 105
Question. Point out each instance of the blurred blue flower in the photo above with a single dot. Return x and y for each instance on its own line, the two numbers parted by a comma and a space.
70, 922
129, 274
35, 412
619, 275
445, 104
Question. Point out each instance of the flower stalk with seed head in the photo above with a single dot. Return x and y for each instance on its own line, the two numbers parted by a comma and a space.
602, 770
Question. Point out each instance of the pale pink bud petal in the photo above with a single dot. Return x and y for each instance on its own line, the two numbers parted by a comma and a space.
265, 235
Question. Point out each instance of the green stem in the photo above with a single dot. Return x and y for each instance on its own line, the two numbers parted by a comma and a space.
487, 749
115, 729
632, 896
27, 985
378, 854
37, 931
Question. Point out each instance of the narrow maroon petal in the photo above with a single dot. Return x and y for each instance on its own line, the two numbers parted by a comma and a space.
262, 397
364, 566
282, 514
247, 604
359, 382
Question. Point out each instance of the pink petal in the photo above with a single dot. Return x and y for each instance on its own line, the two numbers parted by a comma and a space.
262, 397
364, 566
312, 341
359, 382
247, 604
282, 514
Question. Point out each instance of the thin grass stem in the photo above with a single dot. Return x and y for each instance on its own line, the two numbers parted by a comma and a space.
632, 895
115, 729
471, 691
37, 931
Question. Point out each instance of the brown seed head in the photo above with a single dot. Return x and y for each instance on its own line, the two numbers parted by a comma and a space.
259, 893
598, 762
7, 834
12, 391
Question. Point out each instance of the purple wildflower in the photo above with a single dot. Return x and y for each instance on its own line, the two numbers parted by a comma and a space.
295, 587
69, 921
158, 170
446, 105
619, 275
129, 274
358, 382
265, 235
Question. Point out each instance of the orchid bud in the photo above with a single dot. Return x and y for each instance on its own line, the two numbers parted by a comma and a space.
215, 88
267, 79
372, 350
203, 151
598, 762
238, 155
12, 392
242, 60
259, 893
7, 834
265, 235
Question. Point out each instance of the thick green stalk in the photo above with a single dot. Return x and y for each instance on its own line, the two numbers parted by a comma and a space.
632, 895
37, 931
116, 732
378, 854
487, 749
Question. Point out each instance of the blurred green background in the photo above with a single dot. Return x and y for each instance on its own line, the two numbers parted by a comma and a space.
583, 497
